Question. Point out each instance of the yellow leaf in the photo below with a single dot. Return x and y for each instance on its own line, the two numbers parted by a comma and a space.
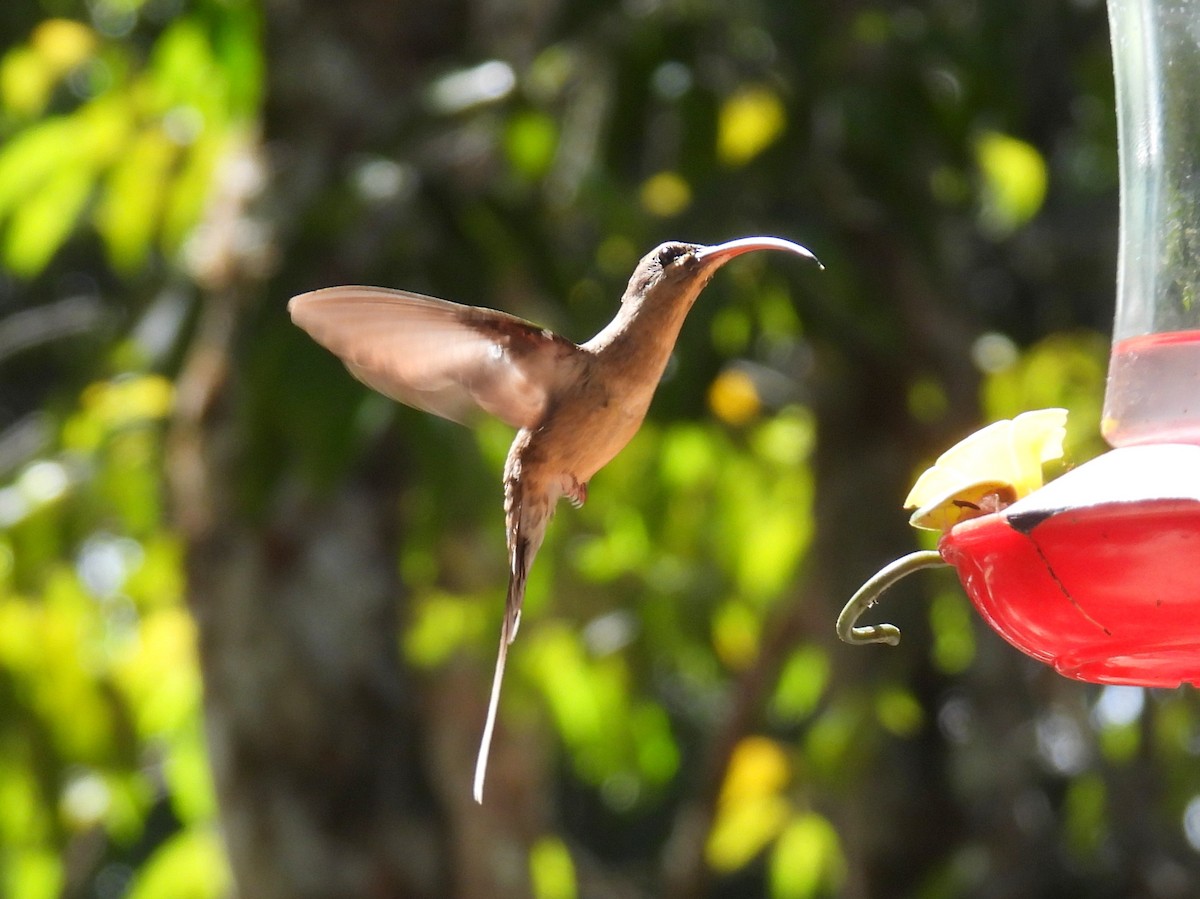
29, 73
551, 870
733, 397
758, 767
749, 121
665, 194
743, 830
63, 43
735, 635
129, 400
25, 81
158, 673
1014, 182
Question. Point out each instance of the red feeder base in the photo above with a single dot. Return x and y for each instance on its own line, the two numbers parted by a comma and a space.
1097, 573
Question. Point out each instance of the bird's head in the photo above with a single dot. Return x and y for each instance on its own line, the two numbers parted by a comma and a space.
676, 271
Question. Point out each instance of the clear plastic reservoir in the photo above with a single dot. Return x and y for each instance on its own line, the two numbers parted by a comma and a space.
1153, 393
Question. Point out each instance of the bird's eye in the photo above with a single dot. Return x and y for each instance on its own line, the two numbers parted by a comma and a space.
668, 254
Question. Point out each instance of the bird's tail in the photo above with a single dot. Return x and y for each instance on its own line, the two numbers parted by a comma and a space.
523, 552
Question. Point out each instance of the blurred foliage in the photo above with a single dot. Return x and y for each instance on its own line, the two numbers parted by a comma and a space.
527, 166
103, 744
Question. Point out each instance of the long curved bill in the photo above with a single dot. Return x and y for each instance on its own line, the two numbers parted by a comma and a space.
723, 252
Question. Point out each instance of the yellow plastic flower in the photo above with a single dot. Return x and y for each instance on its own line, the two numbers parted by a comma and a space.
988, 470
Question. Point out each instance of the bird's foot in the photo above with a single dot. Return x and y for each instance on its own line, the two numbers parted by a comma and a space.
576, 493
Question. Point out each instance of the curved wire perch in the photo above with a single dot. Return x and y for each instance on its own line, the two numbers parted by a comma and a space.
868, 594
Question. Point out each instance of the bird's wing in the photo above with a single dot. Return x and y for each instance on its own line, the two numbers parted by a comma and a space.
438, 356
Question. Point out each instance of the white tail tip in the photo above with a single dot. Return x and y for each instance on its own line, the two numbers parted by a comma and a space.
485, 744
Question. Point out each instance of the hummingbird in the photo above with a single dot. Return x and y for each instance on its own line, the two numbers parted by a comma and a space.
575, 405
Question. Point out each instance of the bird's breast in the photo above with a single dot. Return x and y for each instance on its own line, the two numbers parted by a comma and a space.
584, 431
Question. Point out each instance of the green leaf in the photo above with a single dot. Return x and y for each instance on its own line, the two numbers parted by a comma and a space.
807, 859
134, 193
31, 157
190, 865
32, 874
801, 683
530, 141
188, 776
551, 870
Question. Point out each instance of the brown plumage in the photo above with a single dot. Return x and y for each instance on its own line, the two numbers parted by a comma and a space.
575, 405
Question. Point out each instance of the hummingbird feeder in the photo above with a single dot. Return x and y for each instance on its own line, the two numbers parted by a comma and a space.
1098, 572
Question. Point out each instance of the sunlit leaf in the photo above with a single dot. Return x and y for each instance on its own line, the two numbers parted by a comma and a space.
1085, 814
687, 458
832, 739
32, 874
182, 69
801, 683
190, 187
159, 580
159, 672
589, 699
551, 870
575, 693
735, 629
47, 173
189, 865
953, 638
26, 79
64, 43
440, 626
749, 121
28, 73
899, 711
1014, 181
623, 546
41, 224
773, 542
807, 859
131, 795
238, 49
665, 194
129, 400
29, 158
787, 440
60, 685
134, 192
1120, 742
188, 776
25, 819
742, 831
530, 140
656, 750
20, 624
731, 330
751, 810
1065, 369
733, 397
758, 767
